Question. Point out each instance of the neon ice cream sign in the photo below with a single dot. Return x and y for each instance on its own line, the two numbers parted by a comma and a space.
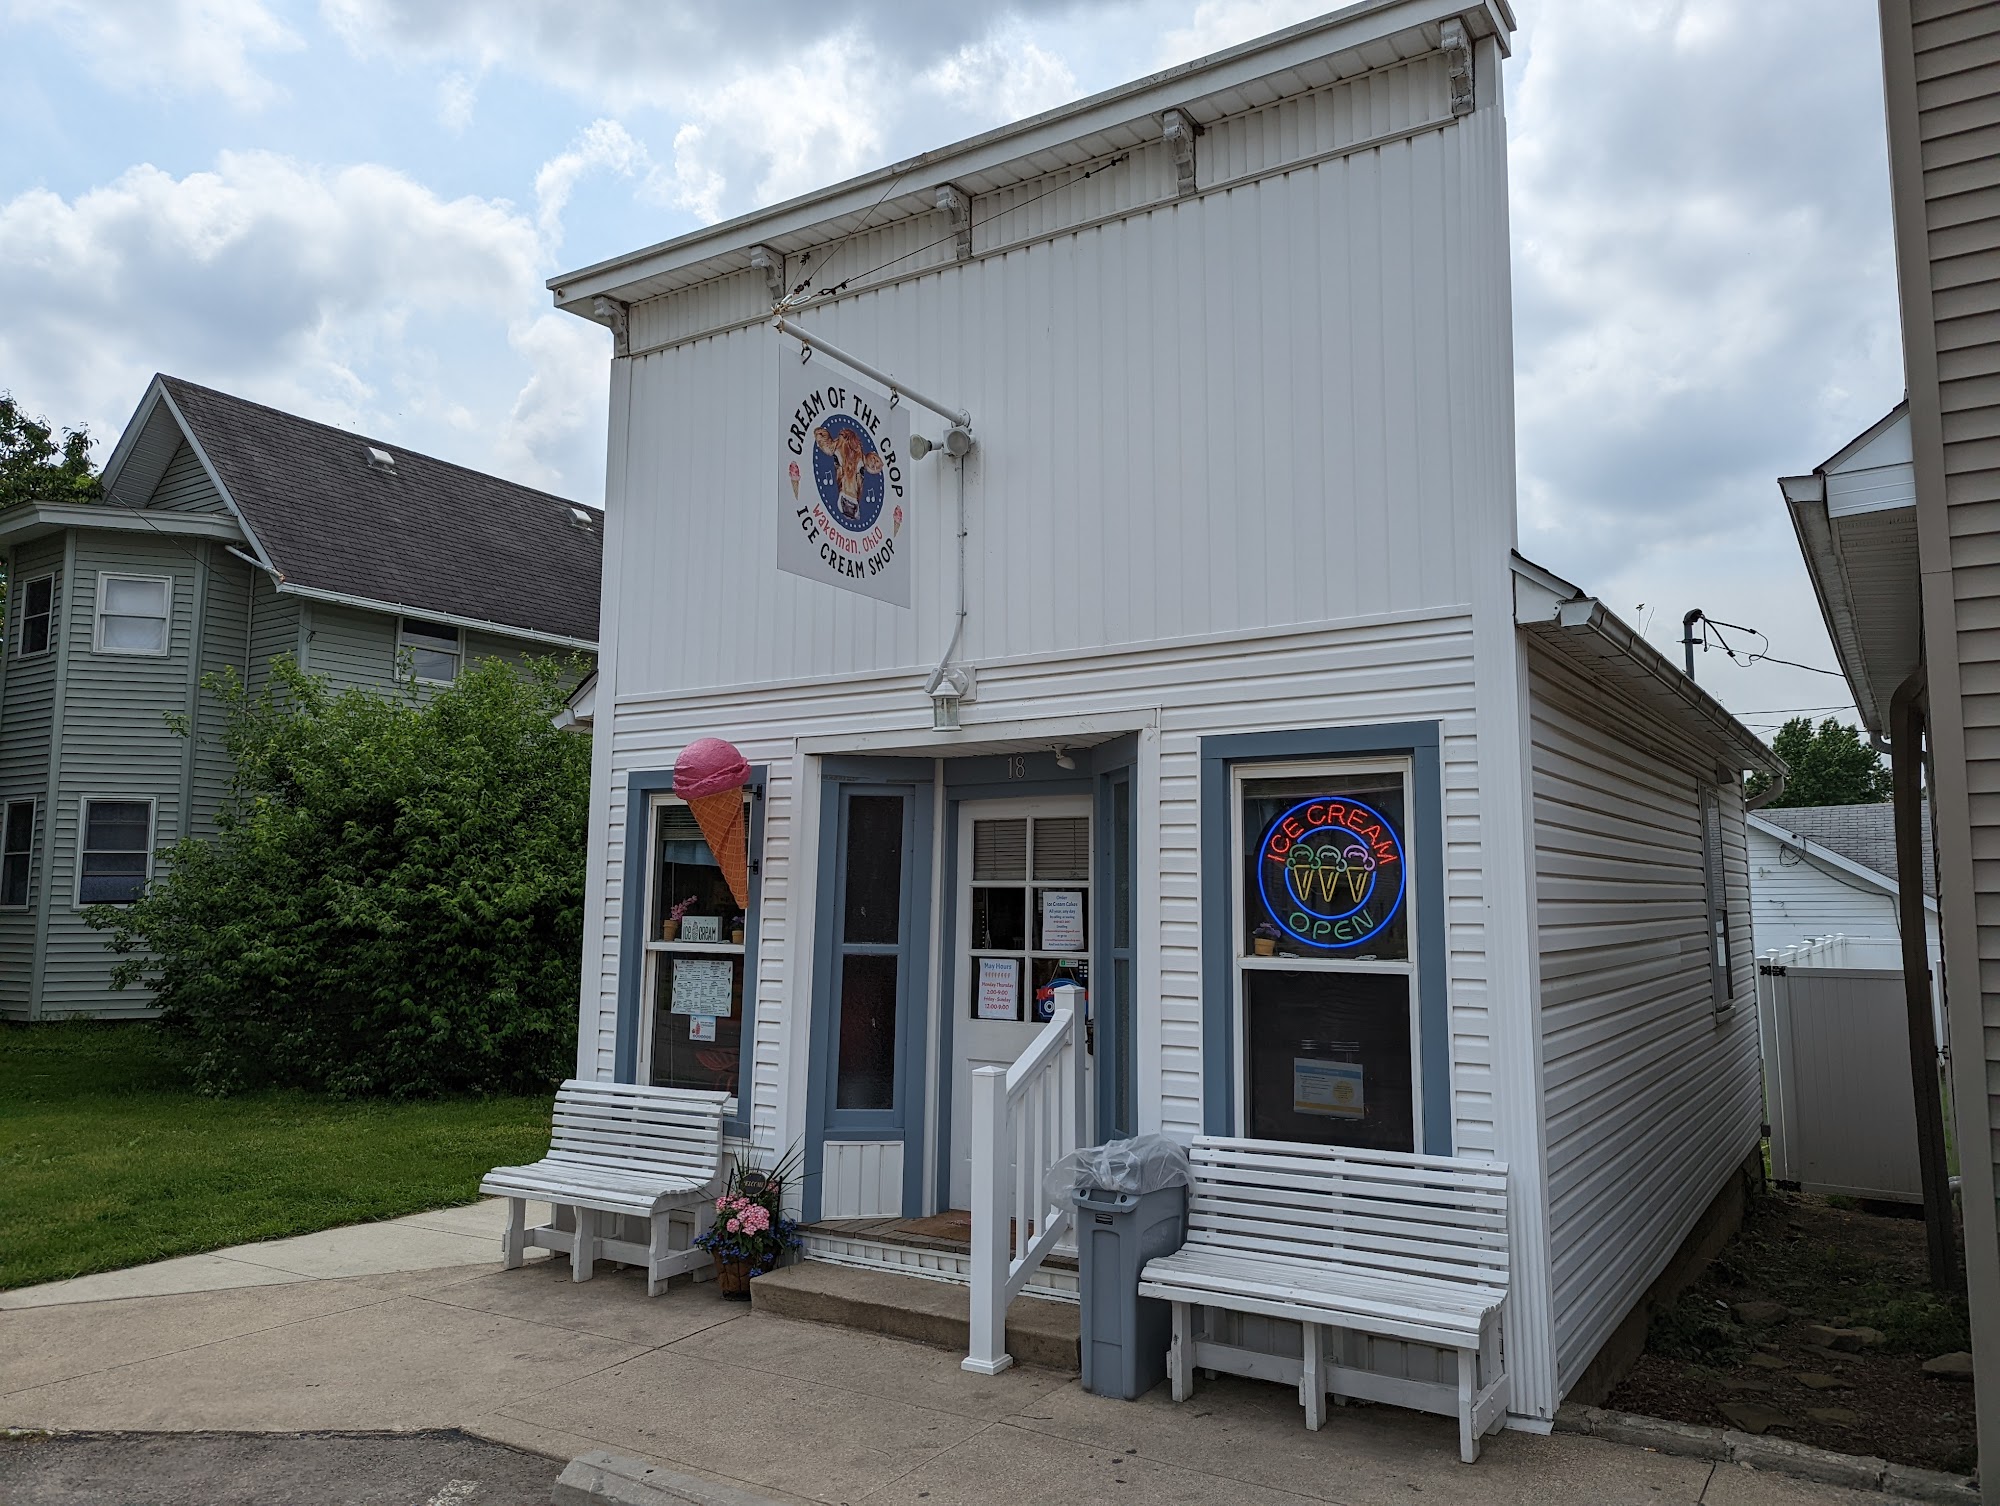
1330, 872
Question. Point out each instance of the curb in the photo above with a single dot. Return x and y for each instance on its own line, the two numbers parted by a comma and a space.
602, 1478
1727, 1446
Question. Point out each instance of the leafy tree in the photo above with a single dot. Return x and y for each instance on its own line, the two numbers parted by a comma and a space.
1829, 764
35, 466
393, 902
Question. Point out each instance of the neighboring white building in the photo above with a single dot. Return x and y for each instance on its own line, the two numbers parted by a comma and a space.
1827, 870
1240, 623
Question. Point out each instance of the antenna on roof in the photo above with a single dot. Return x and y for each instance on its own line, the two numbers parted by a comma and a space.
381, 460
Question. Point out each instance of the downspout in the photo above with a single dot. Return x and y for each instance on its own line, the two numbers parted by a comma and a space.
944, 673
1906, 732
1771, 792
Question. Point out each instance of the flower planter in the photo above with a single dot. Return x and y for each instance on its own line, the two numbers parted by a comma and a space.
669, 930
732, 1279
1265, 948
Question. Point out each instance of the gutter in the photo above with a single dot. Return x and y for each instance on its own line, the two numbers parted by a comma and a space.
402, 609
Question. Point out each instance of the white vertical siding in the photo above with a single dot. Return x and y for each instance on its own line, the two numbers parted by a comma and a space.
862, 1179
1651, 1097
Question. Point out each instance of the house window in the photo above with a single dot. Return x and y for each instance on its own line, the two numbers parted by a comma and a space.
38, 615
117, 851
700, 957
1325, 973
17, 841
132, 613
1715, 884
433, 648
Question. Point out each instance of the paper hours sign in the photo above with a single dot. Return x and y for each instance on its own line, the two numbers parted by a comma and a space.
844, 485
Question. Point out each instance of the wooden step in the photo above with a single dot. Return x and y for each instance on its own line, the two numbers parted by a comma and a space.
937, 1313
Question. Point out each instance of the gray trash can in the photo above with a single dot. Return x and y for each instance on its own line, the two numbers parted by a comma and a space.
1125, 1336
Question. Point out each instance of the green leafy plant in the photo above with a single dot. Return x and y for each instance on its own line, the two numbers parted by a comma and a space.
392, 902
1827, 765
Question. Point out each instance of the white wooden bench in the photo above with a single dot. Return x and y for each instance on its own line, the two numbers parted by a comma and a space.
620, 1149
1403, 1247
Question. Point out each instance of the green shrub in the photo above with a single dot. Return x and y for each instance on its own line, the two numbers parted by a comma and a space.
392, 904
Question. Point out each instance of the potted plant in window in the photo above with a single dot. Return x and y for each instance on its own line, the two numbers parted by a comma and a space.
750, 1233
1264, 940
670, 928
736, 931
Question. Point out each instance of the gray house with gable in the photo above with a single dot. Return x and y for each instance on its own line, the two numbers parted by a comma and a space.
230, 533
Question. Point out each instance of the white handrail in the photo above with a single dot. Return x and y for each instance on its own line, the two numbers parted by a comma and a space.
1024, 1120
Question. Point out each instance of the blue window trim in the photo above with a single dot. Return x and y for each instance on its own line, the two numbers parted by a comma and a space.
640, 788
841, 778
986, 779
1421, 743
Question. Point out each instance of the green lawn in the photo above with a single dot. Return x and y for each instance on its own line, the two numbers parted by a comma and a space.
107, 1159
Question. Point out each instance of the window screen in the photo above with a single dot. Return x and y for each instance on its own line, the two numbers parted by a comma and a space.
38, 614
132, 614
17, 840
117, 844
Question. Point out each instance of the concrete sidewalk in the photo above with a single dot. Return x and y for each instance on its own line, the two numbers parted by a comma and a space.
336, 1341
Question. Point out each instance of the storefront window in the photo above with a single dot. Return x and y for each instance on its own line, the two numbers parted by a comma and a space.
1325, 977
697, 941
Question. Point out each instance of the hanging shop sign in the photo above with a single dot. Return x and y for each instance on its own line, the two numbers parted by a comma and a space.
844, 484
1330, 872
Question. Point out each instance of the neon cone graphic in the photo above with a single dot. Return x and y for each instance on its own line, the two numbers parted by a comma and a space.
710, 775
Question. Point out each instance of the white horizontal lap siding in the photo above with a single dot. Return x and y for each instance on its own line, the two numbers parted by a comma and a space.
1793, 899
1410, 670
1180, 434
1650, 1097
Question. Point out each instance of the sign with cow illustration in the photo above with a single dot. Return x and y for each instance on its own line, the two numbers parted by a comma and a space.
844, 494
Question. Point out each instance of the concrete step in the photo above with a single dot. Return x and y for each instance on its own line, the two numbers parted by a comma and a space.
1039, 1332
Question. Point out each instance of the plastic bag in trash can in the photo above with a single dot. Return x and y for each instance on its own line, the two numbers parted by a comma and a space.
1145, 1163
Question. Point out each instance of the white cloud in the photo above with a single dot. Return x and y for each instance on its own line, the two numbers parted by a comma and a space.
1218, 25
356, 296
1003, 75
457, 97
605, 145
170, 46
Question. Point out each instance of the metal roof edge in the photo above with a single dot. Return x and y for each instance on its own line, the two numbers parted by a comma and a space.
215, 476
1866, 437
1806, 506
289, 587
1120, 105
1826, 858
1703, 713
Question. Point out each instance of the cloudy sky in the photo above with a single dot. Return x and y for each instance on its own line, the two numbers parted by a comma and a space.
348, 207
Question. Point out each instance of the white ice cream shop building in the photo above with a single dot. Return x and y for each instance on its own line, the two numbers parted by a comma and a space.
1098, 537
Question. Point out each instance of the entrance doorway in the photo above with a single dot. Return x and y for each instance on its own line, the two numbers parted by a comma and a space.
1025, 902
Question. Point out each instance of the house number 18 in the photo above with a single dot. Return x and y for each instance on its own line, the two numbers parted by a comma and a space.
1017, 766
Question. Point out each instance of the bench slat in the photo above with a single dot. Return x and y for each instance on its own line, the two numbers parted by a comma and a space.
1319, 1278
1350, 1210
1407, 1185
1410, 1256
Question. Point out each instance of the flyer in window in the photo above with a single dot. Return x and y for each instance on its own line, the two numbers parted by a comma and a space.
702, 985
1332, 1089
999, 996
701, 1027
1062, 920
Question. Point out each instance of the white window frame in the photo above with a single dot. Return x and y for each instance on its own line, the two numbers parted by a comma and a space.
7, 809
1241, 962
104, 577
21, 649
83, 805
658, 951
1721, 944
428, 642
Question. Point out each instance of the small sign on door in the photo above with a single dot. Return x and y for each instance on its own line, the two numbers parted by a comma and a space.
999, 992
1062, 920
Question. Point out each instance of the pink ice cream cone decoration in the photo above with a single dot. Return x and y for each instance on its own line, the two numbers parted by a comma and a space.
710, 775
795, 479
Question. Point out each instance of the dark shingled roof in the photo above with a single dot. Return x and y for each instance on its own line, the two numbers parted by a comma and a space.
1864, 834
429, 537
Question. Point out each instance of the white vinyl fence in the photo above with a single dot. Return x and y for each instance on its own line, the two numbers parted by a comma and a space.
1835, 1036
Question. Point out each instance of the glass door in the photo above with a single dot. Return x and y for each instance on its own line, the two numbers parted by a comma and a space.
1025, 901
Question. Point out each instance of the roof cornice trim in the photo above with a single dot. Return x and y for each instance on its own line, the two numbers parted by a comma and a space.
116, 518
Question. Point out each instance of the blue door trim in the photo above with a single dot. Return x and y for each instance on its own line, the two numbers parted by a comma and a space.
842, 779
640, 788
1420, 742
1113, 764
